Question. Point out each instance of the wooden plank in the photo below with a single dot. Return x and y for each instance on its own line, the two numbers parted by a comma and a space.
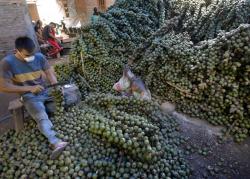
67, 45
18, 119
31, 1
17, 110
6, 124
5, 99
15, 104
68, 40
12, 1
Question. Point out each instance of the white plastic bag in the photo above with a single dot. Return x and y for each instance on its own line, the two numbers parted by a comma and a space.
122, 85
130, 85
71, 94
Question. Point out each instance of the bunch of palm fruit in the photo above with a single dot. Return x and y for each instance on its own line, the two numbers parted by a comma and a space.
109, 137
189, 52
192, 53
209, 80
103, 48
204, 19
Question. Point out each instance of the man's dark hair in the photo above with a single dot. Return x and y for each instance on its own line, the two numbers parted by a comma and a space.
25, 43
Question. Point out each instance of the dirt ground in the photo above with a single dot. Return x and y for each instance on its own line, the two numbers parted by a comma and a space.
208, 155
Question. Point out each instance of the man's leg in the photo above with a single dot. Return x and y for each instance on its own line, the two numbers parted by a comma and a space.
50, 106
38, 112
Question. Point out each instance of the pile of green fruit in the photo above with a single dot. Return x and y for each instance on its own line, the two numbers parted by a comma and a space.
192, 53
205, 19
104, 47
109, 137
210, 80
195, 54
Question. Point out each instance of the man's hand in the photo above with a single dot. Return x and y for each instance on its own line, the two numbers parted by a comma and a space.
36, 89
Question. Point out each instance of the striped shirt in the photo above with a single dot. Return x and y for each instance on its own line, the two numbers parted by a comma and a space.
23, 73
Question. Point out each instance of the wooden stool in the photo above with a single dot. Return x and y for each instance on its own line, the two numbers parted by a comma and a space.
17, 110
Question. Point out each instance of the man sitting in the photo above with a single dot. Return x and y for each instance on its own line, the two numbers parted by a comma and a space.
22, 73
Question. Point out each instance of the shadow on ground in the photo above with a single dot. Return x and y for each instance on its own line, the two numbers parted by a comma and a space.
209, 155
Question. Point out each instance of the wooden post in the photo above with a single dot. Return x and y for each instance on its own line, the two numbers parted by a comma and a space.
18, 117
16, 108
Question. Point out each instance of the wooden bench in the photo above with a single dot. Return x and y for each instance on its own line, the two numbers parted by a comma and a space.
17, 110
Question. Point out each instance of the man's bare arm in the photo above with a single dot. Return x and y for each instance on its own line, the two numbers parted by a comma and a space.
50, 74
8, 87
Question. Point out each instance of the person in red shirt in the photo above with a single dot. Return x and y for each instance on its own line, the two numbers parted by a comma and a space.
49, 35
